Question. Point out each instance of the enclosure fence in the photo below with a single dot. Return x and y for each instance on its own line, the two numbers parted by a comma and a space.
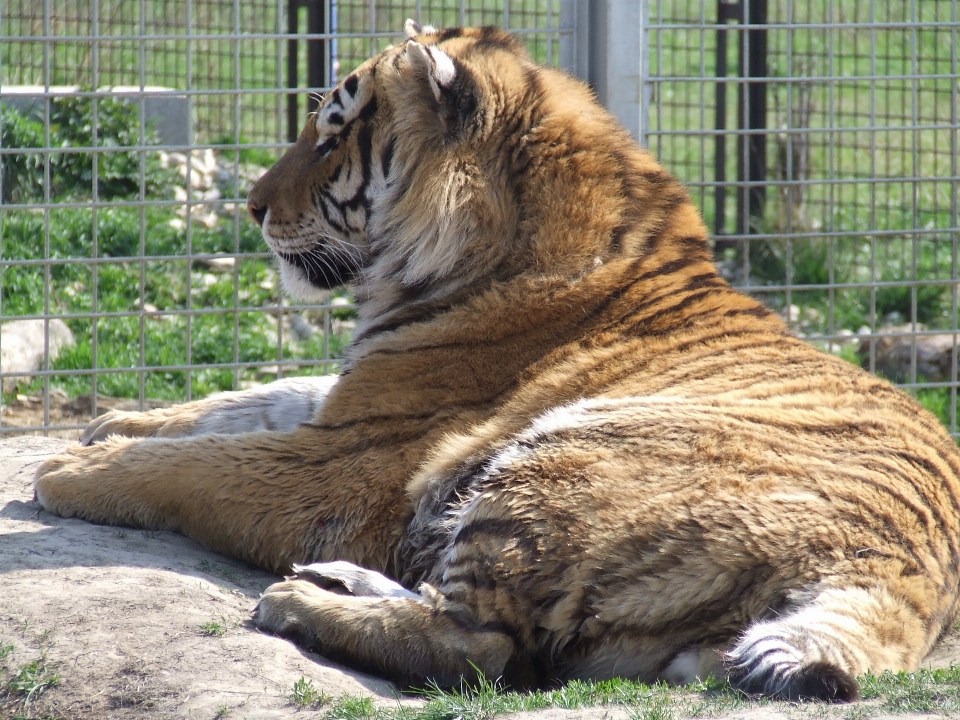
819, 138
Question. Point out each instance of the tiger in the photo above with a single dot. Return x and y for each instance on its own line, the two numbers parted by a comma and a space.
561, 446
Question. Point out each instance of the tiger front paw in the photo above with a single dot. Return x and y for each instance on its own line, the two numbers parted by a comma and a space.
72, 483
126, 424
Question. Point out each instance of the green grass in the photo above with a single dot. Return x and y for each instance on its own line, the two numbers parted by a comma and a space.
30, 681
214, 628
924, 691
937, 401
305, 695
214, 334
486, 699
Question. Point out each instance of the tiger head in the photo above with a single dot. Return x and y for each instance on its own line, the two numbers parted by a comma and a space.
448, 162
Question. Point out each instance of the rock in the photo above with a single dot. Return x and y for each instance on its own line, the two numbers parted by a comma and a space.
219, 264
806, 320
300, 327
22, 347
893, 349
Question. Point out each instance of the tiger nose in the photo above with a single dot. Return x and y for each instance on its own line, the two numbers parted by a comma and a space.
256, 212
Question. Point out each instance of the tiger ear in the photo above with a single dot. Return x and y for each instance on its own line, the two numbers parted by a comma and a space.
430, 63
411, 28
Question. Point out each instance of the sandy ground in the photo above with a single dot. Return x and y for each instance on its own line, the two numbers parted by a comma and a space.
117, 615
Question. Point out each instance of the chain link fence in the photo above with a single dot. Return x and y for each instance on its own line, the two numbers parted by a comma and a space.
820, 139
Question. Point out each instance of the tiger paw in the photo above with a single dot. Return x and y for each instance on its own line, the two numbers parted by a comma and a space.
80, 482
56, 478
284, 609
127, 424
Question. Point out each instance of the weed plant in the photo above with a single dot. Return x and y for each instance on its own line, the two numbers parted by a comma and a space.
29, 682
71, 164
214, 628
305, 695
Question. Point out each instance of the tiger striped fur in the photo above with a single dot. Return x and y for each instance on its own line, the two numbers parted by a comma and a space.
561, 446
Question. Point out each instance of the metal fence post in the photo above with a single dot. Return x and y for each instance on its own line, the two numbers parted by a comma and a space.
316, 59
606, 46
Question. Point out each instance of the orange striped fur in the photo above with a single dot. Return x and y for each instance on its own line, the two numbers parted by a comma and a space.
562, 446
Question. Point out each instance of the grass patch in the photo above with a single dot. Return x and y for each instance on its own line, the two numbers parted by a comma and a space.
363, 708
218, 627
305, 695
923, 691
214, 628
486, 699
31, 681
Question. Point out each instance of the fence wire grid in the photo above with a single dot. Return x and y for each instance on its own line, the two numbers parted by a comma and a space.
819, 138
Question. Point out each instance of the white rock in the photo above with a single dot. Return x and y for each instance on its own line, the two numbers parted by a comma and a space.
22, 347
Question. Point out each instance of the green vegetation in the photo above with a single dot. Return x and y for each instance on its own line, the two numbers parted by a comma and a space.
214, 628
925, 691
166, 312
305, 695
29, 682
74, 162
164, 308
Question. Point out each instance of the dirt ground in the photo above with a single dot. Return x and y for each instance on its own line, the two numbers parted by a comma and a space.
148, 624
26, 413
131, 621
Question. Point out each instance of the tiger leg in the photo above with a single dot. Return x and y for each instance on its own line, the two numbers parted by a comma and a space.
819, 649
270, 498
392, 632
282, 406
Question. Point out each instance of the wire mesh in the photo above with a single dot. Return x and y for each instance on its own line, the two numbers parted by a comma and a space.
855, 240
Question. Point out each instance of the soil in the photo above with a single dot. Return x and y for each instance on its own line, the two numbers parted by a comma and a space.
28, 414
130, 621
149, 624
